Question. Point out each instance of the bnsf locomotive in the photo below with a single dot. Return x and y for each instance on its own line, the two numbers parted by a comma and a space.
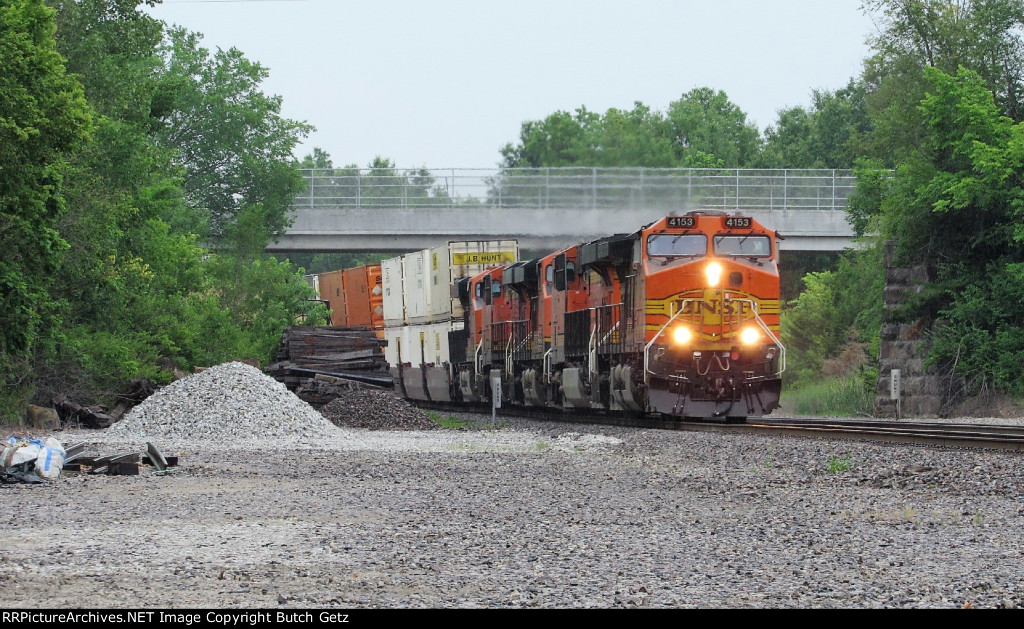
680, 318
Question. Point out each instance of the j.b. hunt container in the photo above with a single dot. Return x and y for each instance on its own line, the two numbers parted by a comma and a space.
456, 260
417, 286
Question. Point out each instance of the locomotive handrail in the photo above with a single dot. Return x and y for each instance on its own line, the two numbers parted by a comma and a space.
767, 330
592, 349
526, 339
476, 359
610, 332
511, 347
647, 348
508, 352
547, 365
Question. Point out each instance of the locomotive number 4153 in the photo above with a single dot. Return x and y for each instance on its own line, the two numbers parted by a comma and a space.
736, 221
682, 221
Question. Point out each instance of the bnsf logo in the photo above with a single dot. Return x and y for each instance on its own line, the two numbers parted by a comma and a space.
714, 307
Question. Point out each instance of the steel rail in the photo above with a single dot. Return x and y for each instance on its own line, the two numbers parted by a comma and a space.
947, 435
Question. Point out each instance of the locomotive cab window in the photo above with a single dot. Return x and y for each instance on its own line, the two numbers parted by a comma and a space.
753, 246
677, 245
565, 272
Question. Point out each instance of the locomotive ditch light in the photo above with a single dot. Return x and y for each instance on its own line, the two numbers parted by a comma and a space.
713, 272
749, 336
682, 335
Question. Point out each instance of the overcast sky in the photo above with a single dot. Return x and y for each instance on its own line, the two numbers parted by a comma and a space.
447, 83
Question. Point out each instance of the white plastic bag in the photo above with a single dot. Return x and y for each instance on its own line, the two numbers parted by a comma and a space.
50, 460
24, 450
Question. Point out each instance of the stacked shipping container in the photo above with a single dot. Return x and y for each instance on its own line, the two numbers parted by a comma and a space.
420, 311
355, 297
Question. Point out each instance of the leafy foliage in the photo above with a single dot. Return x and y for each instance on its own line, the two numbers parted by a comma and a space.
838, 313
703, 129
831, 134
103, 203
958, 208
43, 115
983, 336
981, 35
227, 135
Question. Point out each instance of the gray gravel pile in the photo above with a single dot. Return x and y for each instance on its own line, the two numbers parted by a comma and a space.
229, 402
376, 409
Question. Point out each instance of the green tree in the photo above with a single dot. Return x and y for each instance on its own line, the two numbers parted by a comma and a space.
705, 122
702, 129
135, 285
838, 313
958, 208
43, 116
630, 138
111, 47
831, 134
558, 140
788, 141
227, 135
981, 35
811, 327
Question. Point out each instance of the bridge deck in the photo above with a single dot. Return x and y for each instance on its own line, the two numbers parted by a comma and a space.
389, 210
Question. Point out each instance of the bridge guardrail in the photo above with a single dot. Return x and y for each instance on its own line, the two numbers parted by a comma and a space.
597, 188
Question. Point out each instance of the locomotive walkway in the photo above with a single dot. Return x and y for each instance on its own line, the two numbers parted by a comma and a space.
388, 210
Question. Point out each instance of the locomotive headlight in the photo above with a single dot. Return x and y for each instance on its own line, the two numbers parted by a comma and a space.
682, 335
713, 272
749, 336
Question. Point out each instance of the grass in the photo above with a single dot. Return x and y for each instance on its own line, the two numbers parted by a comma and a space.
838, 464
835, 397
453, 422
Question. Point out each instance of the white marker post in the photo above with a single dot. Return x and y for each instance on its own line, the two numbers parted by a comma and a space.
895, 389
495, 399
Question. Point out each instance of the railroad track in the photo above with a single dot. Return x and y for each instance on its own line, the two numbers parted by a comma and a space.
980, 436
952, 435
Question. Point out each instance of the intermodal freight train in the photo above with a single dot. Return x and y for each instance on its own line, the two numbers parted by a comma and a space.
680, 319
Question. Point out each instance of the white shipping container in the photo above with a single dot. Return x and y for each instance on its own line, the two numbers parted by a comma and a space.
456, 260
420, 344
403, 345
417, 295
395, 346
437, 349
394, 292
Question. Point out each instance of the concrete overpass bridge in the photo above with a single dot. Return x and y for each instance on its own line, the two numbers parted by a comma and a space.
387, 210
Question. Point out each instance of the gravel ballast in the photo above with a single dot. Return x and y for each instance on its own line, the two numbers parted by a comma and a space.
528, 514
